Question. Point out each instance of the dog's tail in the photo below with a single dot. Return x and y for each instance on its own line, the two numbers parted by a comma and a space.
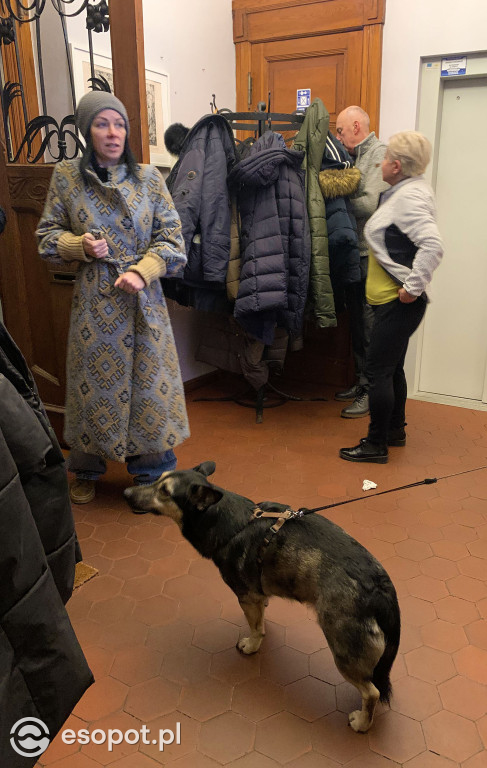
391, 627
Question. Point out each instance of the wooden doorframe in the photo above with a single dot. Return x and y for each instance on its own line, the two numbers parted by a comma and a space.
270, 20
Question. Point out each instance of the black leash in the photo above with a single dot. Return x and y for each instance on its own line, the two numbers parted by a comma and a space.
426, 481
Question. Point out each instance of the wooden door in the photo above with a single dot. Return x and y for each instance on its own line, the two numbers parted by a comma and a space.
328, 65
334, 48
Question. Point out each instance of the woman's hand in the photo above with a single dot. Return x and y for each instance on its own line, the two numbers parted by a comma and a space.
130, 282
405, 297
97, 249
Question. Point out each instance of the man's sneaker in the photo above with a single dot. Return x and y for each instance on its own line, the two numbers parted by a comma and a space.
347, 394
359, 407
82, 491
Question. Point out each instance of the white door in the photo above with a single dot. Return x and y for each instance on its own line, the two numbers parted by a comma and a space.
454, 348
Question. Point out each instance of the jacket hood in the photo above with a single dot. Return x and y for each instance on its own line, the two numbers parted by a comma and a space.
339, 182
261, 168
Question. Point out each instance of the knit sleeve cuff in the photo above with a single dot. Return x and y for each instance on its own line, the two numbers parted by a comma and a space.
150, 267
70, 247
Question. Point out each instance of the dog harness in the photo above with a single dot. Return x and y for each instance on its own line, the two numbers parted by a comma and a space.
281, 518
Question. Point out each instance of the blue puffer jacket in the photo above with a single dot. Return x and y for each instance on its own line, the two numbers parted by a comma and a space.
198, 185
275, 239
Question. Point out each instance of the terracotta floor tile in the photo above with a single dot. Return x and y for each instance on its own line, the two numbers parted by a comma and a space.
310, 698
452, 736
415, 698
444, 636
427, 588
205, 699
136, 664
176, 733
253, 760
416, 611
101, 753
396, 737
332, 737
439, 568
214, 636
166, 624
464, 697
456, 610
186, 665
283, 737
430, 665
105, 696
158, 609
257, 699
227, 737
152, 698
472, 662
429, 759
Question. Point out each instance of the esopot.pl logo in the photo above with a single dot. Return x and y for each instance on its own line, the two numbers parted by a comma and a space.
29, 737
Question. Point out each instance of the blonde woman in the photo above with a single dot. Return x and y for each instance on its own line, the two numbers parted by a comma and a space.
404, 250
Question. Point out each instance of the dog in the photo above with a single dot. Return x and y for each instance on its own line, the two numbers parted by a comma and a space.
309, 559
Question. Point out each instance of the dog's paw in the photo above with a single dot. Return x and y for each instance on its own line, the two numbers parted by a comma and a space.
249, 645
359, 721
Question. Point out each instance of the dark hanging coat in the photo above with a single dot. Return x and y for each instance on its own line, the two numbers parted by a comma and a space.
43, 671
338, 181
275, 240
312, 139
198, 185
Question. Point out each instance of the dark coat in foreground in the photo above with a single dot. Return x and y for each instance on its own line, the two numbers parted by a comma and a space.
43, 671
310, 559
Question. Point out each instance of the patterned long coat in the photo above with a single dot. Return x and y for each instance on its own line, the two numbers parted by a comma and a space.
124, 393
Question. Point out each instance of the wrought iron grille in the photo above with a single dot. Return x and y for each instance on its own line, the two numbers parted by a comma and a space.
43, 134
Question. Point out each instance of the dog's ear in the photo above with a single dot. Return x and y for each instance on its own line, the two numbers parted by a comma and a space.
206, 468
203, 496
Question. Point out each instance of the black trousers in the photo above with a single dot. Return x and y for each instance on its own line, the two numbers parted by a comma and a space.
394, 324
361, 320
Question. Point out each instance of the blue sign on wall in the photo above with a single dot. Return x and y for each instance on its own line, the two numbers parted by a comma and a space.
303, 99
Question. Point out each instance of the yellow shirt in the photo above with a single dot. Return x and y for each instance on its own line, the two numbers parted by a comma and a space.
380, 288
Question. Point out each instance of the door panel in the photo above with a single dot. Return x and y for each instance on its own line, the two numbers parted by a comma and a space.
458, 311
329, 65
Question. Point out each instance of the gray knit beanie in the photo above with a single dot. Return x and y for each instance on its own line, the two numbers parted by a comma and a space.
92, 103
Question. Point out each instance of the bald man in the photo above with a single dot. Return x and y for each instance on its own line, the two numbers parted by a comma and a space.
353, 130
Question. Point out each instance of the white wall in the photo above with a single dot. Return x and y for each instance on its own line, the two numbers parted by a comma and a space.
191, 41
416, 28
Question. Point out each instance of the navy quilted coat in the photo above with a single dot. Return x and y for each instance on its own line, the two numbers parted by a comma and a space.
275, 239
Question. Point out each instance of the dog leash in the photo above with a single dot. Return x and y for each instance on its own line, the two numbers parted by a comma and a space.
291, 514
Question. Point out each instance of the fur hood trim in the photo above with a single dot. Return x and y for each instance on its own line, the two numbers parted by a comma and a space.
337, 182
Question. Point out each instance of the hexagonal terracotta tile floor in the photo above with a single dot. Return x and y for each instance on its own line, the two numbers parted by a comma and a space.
159, 627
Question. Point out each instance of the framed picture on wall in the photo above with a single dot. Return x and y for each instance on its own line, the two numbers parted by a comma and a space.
157, 92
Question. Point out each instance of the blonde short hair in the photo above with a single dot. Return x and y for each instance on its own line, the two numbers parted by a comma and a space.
412, 149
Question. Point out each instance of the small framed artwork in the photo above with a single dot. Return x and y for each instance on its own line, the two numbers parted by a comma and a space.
157, 92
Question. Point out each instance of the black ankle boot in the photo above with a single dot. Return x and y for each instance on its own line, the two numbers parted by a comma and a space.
365, 451
396, 436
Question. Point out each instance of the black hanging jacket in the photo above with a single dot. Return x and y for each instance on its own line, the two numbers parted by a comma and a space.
275, 238
42, 668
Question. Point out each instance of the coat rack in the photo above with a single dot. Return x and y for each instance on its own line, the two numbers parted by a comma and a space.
262, 120
267, 396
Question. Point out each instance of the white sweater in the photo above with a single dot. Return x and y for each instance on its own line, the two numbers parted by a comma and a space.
410, 207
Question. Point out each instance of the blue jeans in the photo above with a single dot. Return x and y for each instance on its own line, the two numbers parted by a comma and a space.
146, 469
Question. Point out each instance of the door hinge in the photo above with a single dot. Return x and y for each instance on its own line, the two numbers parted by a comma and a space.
249, 90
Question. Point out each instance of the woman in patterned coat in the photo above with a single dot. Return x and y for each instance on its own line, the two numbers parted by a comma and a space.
124, 395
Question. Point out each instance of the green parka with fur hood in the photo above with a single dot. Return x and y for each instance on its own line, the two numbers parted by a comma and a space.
312, 139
